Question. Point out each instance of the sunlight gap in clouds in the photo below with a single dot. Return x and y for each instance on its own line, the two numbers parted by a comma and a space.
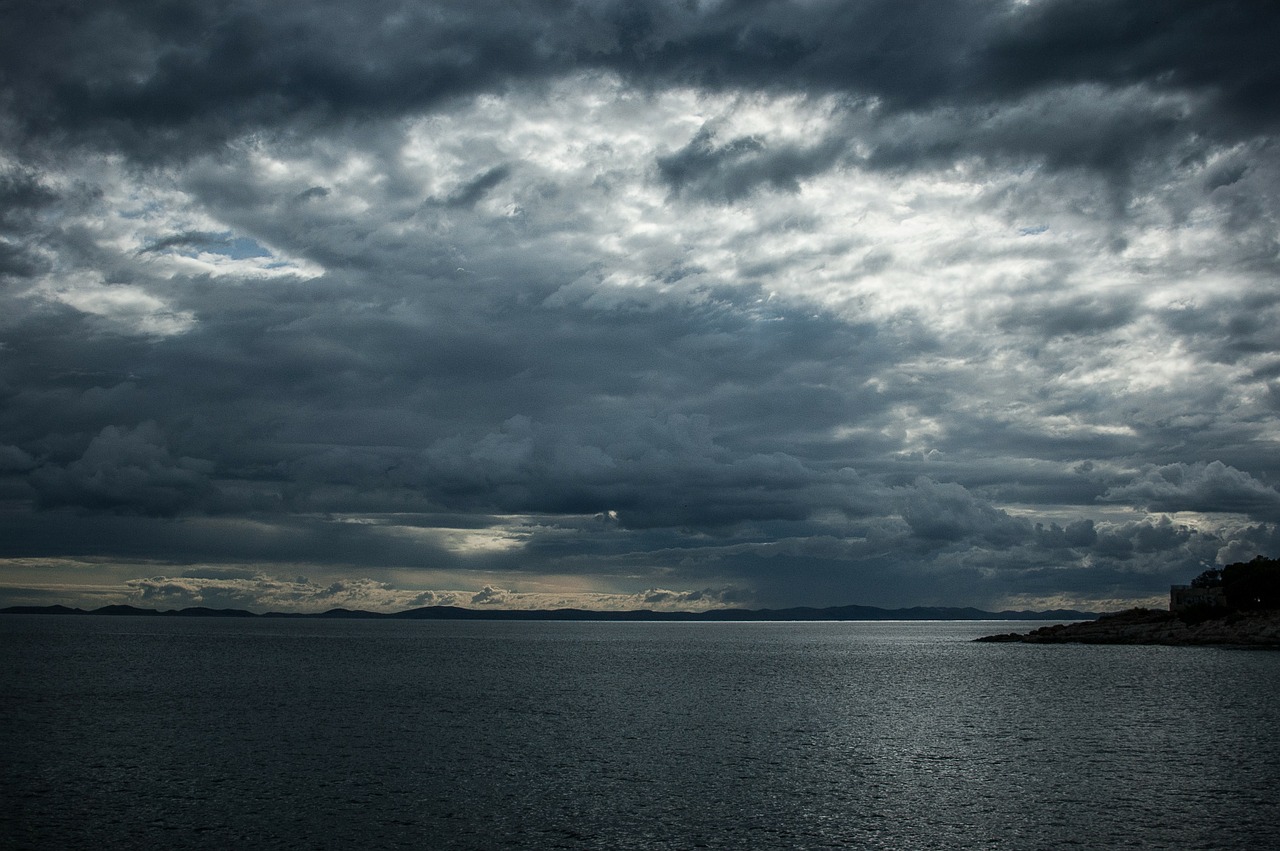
464, 542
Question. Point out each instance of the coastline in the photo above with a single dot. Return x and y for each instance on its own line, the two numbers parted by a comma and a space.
1153, 626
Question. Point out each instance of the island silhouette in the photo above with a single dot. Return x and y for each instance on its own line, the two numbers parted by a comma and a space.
801, 613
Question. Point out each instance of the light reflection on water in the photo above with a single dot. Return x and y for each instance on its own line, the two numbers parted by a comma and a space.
122, 732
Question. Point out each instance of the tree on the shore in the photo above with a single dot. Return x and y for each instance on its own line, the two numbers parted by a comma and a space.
1211, 578
1252, 584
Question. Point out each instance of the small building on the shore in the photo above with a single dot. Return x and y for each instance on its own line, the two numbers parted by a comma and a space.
1208, 590
1183, 597
1242, 586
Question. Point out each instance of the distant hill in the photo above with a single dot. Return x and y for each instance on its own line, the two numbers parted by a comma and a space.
832, 613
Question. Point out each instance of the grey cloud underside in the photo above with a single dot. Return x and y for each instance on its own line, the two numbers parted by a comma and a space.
485, 339
161, 80
731, 171
671, 418
492, 410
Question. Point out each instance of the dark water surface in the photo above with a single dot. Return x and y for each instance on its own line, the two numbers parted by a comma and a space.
135, 732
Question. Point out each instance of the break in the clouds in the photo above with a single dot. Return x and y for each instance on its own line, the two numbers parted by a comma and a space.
651, 305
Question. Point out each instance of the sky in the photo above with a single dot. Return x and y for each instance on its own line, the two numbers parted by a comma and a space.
615, 305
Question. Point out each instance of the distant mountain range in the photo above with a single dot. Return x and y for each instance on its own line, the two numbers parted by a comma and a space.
454, 613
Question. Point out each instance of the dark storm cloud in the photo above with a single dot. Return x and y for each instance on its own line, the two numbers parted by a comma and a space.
22, 196
1081, 533
1201, 487
343, 285
129, 470
161, 79
948, 512
1221, 49
1083, 127
15, 460
249, 538
345, 392
158, 80
1232, 328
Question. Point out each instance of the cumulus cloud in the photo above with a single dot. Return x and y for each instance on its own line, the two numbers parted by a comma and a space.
222, 588
253, 590
948, 512
14, 460
1079, 533
1211, 486
488, 595
128, 470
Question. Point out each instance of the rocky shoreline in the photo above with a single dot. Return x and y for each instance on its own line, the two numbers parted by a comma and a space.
1153, 626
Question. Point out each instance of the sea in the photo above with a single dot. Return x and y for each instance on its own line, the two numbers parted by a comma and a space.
133, 732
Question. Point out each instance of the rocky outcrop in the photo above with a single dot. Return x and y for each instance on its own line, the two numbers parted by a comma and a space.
1151, 626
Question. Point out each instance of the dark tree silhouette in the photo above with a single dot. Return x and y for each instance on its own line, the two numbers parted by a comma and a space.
1252, 584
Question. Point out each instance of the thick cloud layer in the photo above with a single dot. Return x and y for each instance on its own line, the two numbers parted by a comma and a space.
752, 303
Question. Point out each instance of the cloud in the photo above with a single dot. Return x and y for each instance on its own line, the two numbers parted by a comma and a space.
733, 170
948, 512
1080, 533
1125, 541
126, 470
831, 302
1211, 486
1078, 315
489, 596
22, 196
15, 460
218, 587
1217, 48
701, 599
145, 81
476, 188
151, 81
222, 588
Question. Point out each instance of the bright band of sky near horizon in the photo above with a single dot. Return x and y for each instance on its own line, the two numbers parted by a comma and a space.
616, 305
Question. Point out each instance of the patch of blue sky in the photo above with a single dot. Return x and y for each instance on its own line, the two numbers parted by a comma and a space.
224, 244
241, 248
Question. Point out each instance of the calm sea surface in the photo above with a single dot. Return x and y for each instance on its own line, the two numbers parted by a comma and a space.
136, 732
